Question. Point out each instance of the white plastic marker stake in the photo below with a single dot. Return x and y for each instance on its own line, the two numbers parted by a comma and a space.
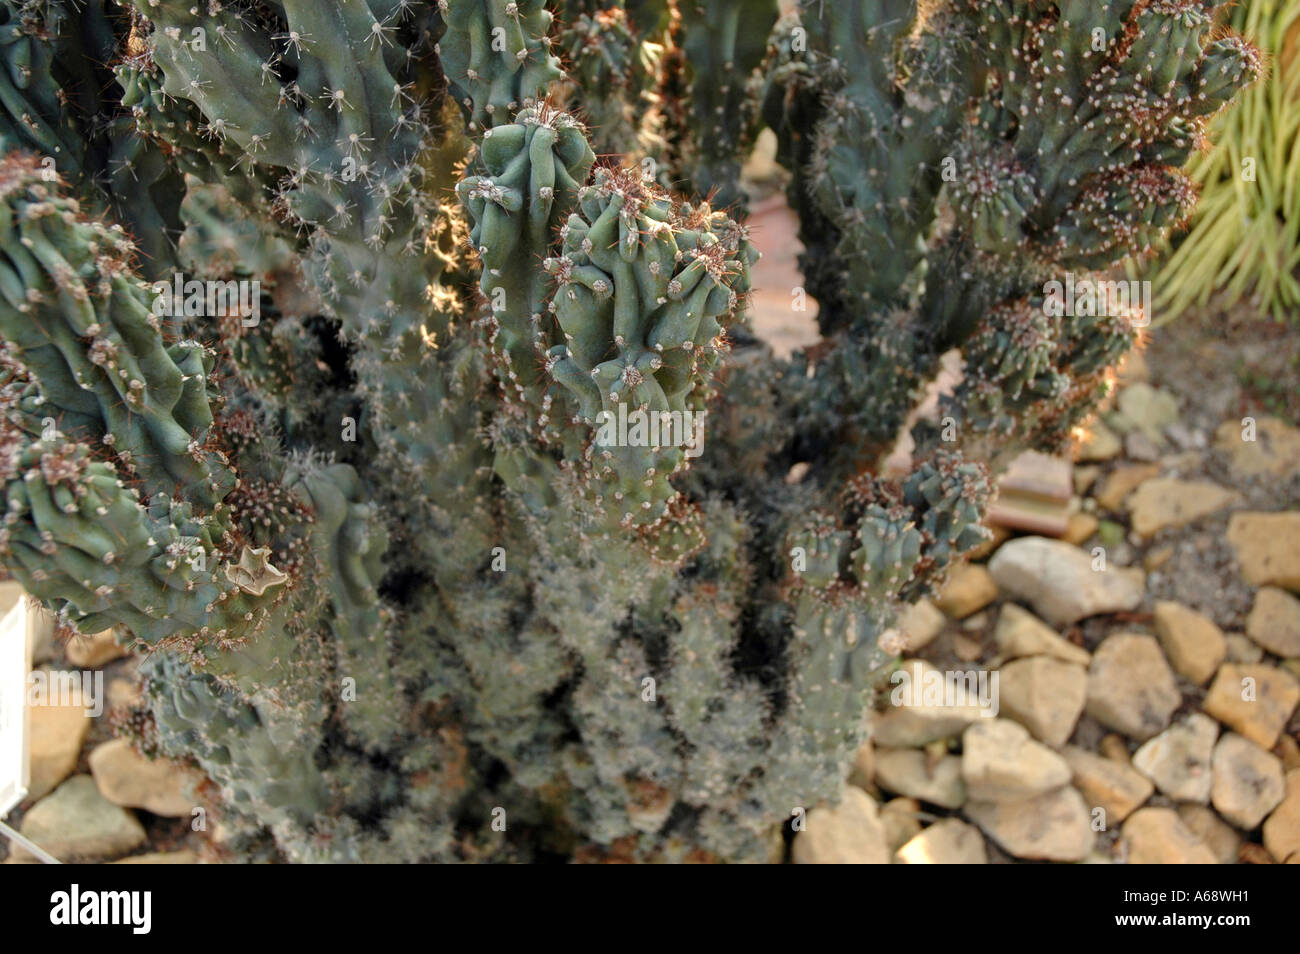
16, 640
15, 662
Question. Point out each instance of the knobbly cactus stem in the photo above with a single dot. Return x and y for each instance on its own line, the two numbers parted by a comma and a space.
457, 492
626, 314
497, 56
722, 44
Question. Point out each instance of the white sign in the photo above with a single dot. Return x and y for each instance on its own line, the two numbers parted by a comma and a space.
16, 628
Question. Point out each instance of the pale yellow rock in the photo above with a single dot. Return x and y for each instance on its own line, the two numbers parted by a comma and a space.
1156, 558
965, 648
1242, 649
123, 692
1147, 409
970, 588
1080, 527
901, 820
94, 650
1085, 477
1288, 750
127, 778
161, 858
1000, 762
1248, 781
919, 725
1137, 446
920, 623
1114, 747
75, 822
1274, 621
1054, 826
1194, 645
1274, 452
947, 842
1220, 837
1157, 836
1165, 502
909, 772
1136, 576
998, 536
848, 833
1061, 582
1255, 700
1104, 783
1131, 688
1099, 443
57, 734
1021, 633
1268, 547
1282, 828
1121, 482
1178, 760
909, 719
1045, 695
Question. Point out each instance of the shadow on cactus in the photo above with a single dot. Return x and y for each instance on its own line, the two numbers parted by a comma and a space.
491, 533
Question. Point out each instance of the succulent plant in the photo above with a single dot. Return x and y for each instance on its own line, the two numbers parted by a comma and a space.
426, 448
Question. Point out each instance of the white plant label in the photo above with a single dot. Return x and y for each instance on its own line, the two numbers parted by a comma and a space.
15, 657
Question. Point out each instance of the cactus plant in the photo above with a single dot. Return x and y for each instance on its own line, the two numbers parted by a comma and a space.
483, 528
